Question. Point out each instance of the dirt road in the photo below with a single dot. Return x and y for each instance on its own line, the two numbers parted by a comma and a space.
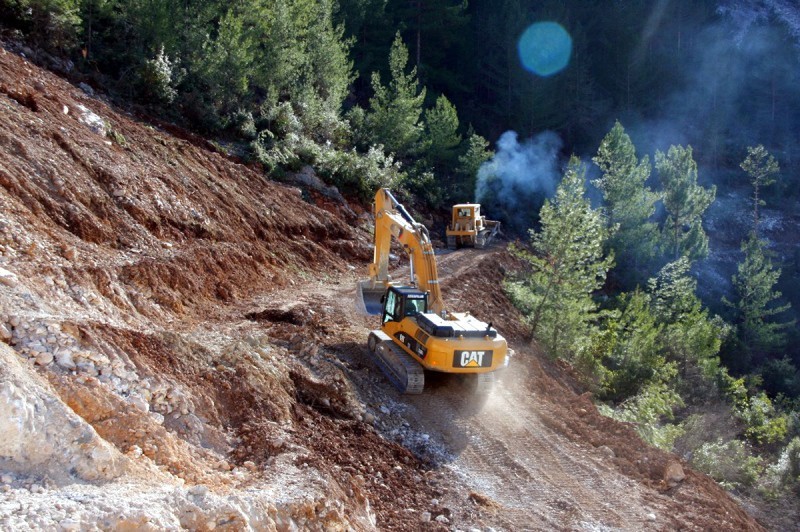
533, 455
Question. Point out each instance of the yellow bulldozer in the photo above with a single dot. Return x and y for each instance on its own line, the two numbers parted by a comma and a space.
416, 332
468, 227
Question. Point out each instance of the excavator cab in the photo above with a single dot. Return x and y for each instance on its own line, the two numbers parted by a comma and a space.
403, 301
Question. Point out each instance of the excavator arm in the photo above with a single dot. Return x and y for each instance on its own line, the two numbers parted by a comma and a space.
392, 220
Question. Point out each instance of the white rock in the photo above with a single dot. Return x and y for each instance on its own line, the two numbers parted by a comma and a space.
44, 359
198, 491
425, 517
651, 516
87, 367
64, 359
135, 451
139, 402
7, 278
90, 119
442, 519
5, 333
6, 479
69, 525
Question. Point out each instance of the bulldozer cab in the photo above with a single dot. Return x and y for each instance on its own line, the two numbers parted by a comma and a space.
464, 216
403, 301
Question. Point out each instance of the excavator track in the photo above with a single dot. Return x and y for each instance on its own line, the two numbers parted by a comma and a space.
405, 373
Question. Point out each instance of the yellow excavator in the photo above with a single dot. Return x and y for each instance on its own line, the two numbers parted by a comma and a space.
416, 332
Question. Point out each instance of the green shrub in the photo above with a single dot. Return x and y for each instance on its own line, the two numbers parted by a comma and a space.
158, 78
360, 174
51, 24
654, 403
731, 463
763, 425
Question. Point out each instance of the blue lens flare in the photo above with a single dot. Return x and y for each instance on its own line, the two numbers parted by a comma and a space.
545, 48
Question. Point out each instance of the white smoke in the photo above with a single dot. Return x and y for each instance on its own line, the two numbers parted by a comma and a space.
520, 169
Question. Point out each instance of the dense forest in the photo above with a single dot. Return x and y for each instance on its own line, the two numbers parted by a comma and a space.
666, 105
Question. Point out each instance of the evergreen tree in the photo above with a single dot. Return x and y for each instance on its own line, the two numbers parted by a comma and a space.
685, 201
432, 29
228, 62
691, 337
476, 153
628, 201
633, 348
395, 110
761, 167
443, 137
756, 301
566, 267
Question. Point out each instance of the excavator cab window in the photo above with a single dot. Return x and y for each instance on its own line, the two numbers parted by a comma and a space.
415, 306
404, 301
390, 306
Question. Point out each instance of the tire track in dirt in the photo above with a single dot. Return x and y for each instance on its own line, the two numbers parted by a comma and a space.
502, 451
513, 461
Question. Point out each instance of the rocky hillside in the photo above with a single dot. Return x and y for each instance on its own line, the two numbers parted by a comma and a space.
180, 350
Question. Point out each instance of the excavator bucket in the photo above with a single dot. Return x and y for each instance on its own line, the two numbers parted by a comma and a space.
369, 297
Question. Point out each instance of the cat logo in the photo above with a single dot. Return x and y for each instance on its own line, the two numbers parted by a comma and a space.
472, 359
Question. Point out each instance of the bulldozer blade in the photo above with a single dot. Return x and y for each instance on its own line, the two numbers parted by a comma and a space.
369, 297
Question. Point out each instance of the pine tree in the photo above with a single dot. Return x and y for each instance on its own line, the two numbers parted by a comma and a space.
761, 167
691, 337
394, 116
567, 266
756, 301
443, 138
328, 55
633, 351
685, 201
476, 153
228, 61
628, 201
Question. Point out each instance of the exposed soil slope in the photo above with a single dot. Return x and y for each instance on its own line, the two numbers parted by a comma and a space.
183, 352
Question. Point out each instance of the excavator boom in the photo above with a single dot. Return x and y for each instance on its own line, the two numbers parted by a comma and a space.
393, 220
